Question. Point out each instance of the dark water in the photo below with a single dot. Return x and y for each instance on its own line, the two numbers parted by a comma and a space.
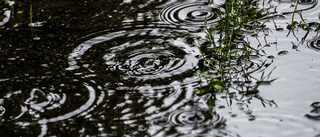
126, 68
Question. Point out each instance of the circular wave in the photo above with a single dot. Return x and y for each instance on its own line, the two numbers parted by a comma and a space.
43, 106
314, 44
307, 1
137, 57
146, 70
282, 6
194, 118
191, 13
188, 120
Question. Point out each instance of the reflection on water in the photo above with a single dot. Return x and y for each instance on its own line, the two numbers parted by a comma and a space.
137, 72
270, 122
6, 11
139, 80
39, 101
138, 57
152, 66
190, 119
40, 107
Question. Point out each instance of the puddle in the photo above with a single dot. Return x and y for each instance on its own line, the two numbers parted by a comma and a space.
127, 68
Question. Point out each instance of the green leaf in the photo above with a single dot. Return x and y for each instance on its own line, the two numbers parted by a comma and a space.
200, 92
219, 88
211, 102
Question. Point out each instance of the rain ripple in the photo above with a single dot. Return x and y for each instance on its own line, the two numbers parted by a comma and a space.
314, 44
38, 107
191, 12
285, 6
187, 120
194, 118
149, 68
137, 57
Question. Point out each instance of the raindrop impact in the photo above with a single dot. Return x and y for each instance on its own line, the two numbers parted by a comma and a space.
189, 120
138, 57
191, 13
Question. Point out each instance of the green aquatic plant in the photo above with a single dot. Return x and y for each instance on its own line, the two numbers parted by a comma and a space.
30, 19
228, 53
295, 25
4, 1
214, 84
30, 14
301, 23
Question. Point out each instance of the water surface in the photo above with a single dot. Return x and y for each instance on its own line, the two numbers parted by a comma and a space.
126, 68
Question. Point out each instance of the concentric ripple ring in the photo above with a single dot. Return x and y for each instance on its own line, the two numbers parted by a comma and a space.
137, 56
188, 120
195, 13
40, 107
314, 44
194, 118
36, 105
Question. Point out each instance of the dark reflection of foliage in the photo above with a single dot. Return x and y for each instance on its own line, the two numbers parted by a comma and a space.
28, 63
14, 103
22, 56
63, 22
106, 118
113, 113
82, 14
